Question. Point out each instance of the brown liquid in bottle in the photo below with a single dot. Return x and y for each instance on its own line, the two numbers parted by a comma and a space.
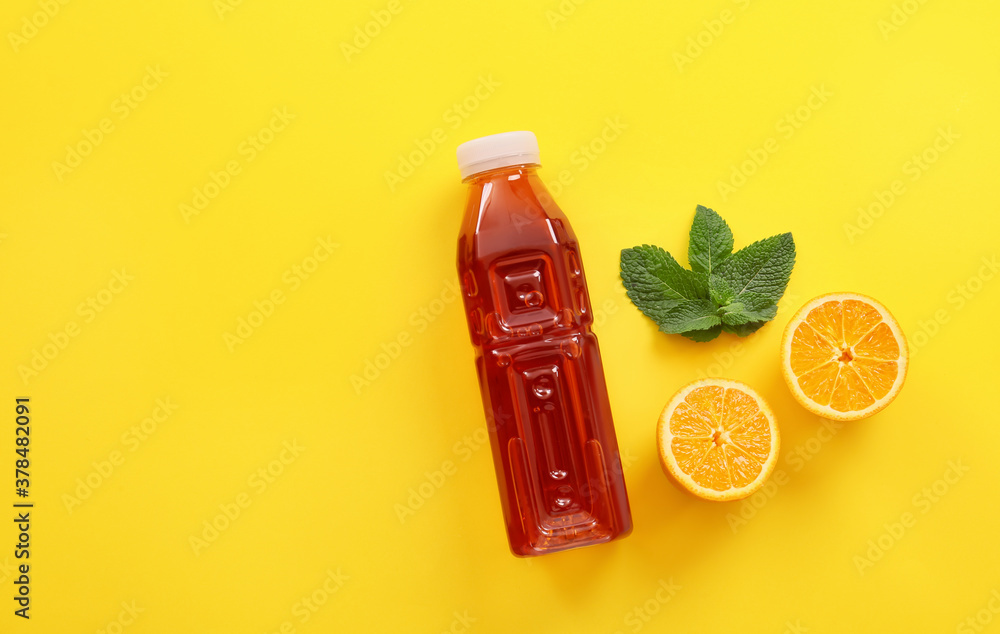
540, 372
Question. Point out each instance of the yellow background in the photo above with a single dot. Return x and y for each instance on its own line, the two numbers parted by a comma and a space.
699, 87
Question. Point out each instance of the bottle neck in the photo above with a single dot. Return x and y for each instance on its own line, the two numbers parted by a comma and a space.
510, 195
522, 170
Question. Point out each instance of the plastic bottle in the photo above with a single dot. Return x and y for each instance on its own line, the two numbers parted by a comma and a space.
540, 374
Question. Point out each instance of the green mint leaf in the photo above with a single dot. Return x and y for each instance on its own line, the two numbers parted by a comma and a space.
677, 316
734, 315
719, 290
724, 292
692, 314
743, 330
711, 241
762, 267
758, 307
702, 336
653, 276
748, 307
737, 314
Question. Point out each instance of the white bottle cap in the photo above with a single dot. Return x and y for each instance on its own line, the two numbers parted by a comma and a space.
497, 150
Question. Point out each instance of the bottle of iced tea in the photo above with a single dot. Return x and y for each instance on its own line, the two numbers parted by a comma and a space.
540, 373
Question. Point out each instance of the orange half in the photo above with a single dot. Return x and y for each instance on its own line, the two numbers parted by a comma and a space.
718, 439
844, 356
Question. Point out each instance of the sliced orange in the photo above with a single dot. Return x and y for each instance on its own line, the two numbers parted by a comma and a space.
718, 439
844, 356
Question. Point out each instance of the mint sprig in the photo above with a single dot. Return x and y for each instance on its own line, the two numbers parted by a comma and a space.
723, 291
